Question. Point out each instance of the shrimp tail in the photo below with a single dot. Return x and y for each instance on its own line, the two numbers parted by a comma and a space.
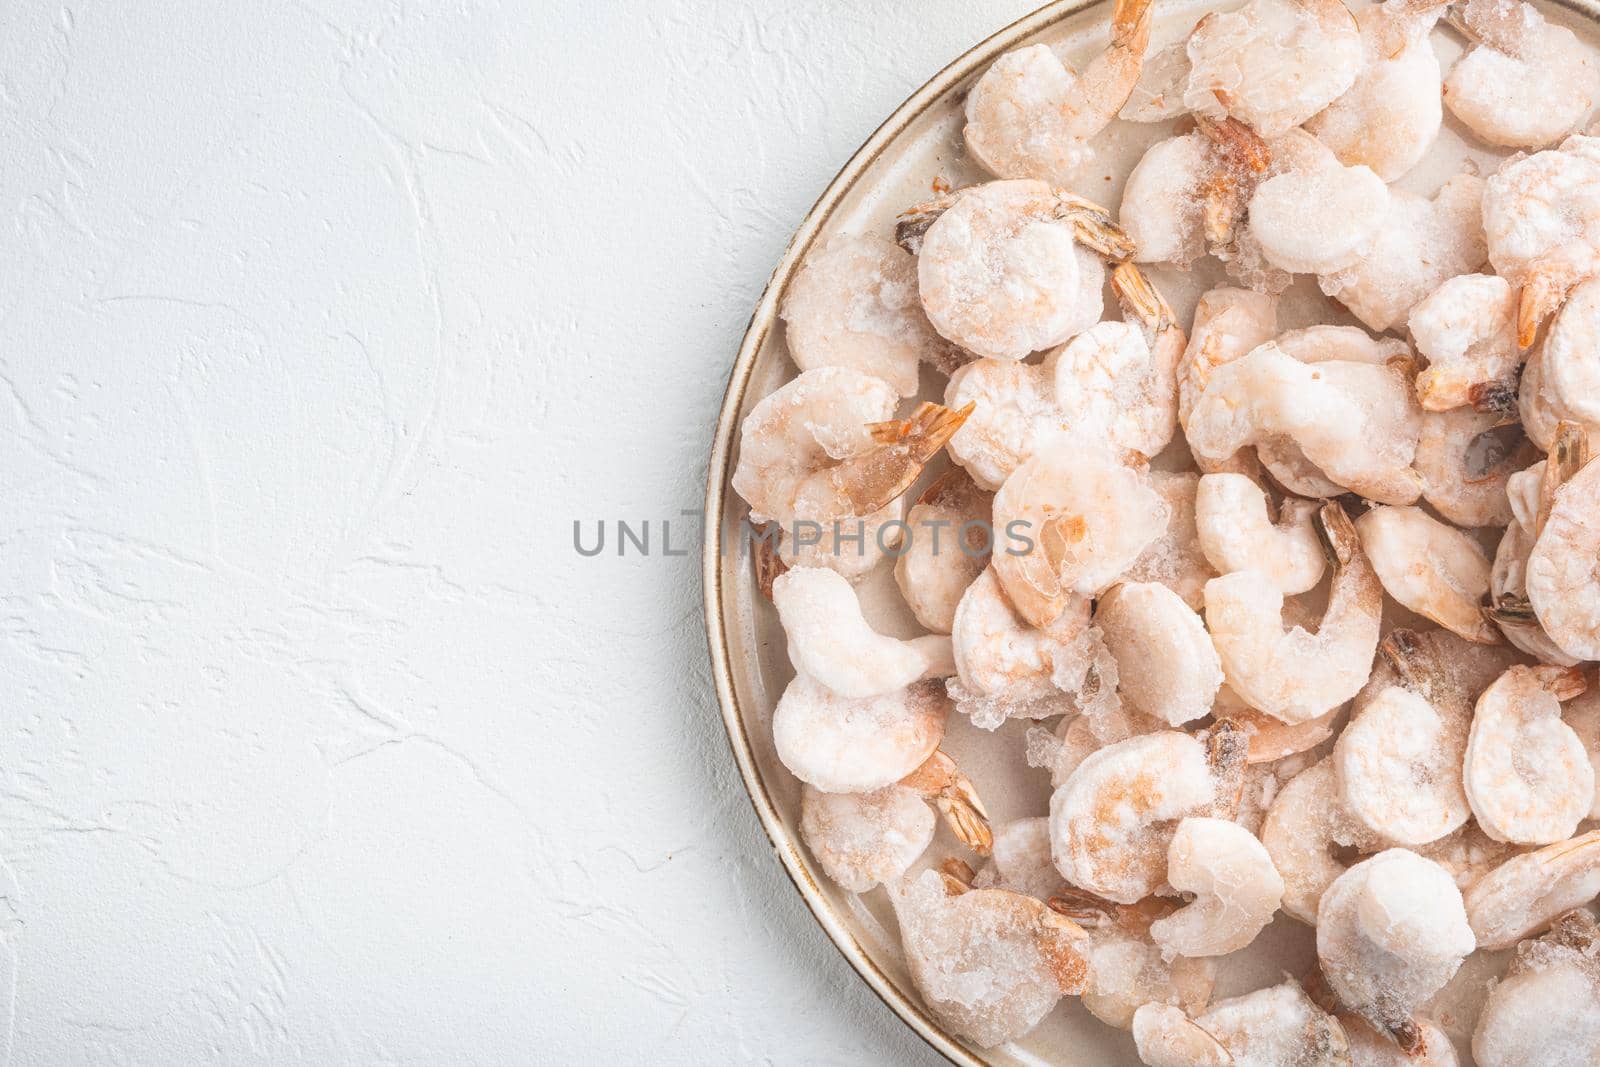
1538, 300
925, 432
1081, 906
1227, 751
1141, 298
1093, 226
954, 795
1508, 609
1408, 1035
1130, 25
911, 225
957, 870
1497, 398
1338, 535
1563, 683
1569, 454
768, 564
1239, 146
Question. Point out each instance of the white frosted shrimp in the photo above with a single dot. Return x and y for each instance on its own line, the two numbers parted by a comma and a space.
1295, 675
989, 963
1527, 776
1085, 519
947, 548
1368, 1048
1236, 889
1509, 607
1570, 357
1315, 215
1467, 329
1469, 855
1174, 559
844, 745
1277, 1027
999, 269
1272, 64
1236, 533
1465, 461
1541, 214
1547, 1008
1112, 820
1390, 117
1019, 859
1228, 323
1031, 116
1523, 895
1562, 567
831, 641
1391, 931
1525, 83
1007, 668
1146, 623
1345, 344
1583, 716
1165, 1036
1399, 769
1186, 195
1421, 244
1305, 829
854, 304
865, 839
1430, 568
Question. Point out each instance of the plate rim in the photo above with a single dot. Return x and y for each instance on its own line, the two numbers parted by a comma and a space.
931, 93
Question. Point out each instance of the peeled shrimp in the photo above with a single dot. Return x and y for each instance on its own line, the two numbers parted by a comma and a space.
1085, 519
999, 270
1228, 323
1276, 1027
1304, 829
948, 547
1399, 769
1030, 116
1421, 244
1146, 623
1237, 889
1174, 559
1075, 738
1429, 567
1526, 893
1583, 716
864, 839
1295, 675
989, 963
1236, 533
1570, 357
1166, 1037
1391, 931
1368, 1048
1186, 194
1465, 465
1527, 776
1272, 64
1019, 859
1563, 566
1008, 668
1390, 117
1547, 1008
1316, 215
1467, 329
1526, 83
844, 745
854, 304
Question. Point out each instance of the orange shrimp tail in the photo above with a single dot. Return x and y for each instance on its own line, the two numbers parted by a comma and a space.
1538, 299
1237, 143
925, 432
1134, 290
1130, 24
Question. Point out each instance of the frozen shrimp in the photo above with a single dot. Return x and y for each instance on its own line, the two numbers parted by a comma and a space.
1316, 215
1166, 1037
989, 963
1174, 559
854, 304
1086, 519
1237, 889
1509, 607
1297, 675
1563, 565
1391, 931
1368, 1048
865, 839
999, 270
1272, 64
1430, 568
1031, 116
1019, 859
1527, 776
1390, 117
1277, 1027
1399, 768
1523, 895
1467, 329
1228, 323
844, 745
1007, 668
1305, 829
1583, 716
832, 642
1421, 244
1158, 94
1525, 83
1075, 737
948, 547
1570, 357
1465, 461
1343, 344
1547, 1008
1236, 533
1146, 623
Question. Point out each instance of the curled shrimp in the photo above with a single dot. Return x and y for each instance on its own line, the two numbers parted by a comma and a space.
1279, 1026
1316, 215
1570, 357
933, 571
1523, 895
1174, 559
1527, 776
1296, 675
1237, 889
1236, 533
1562, 567
831, 641
844, 745
999, 268
989, 963
1465, 460
1525, 83
1399, 768
1391, 931
1306, 829
1187, 194
1467, 329
1144, 623
1165, 1036
1548, 1004
1030, 116
1228, 323
1430, 568
865, 839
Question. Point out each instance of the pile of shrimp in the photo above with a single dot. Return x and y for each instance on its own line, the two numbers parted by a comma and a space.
1298, 626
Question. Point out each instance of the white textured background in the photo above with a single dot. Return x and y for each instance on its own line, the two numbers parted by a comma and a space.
319, 323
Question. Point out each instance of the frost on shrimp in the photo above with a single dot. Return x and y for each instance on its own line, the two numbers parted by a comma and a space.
1031, 116
1525, 83
844, 745
1563, 570
1276, 1027
949, 547
1019, 860
832, 642
1368, 1048
1547, 1008
864, 839
1295, 675
1523, 895
1145, 623
1174, 559
1237, 889
1315, 215
1306, 828
1569, 361
1467, 329
1429, 567
1527, 776
1236, 533
1228, 323
1187, 193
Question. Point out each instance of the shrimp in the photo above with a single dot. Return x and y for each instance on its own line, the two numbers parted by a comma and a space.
1236, 533
1421, 245
1390, 117
1186, 194
1430, 568
843, 745
1166, 1037
1527, 776
1076, 737
1295, 675
1358, 423
1399, 769
854, 304
1030, 116
1523, 895
1583, 716
1562, 567
865, 839
1007, 668
1019, 859
1541, 214
989, 963
1316, 215
1085, 519
1276, 1027
1272, 64
1228, 323
1368, 1048
1464, 462
1174, 559
1147, 623
1525, 83
1467, 329
1237, 889
1112, 820
832, 643
1548, 1005
999, 271
1306, 826
933, 576
1391, 931
1570, 358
